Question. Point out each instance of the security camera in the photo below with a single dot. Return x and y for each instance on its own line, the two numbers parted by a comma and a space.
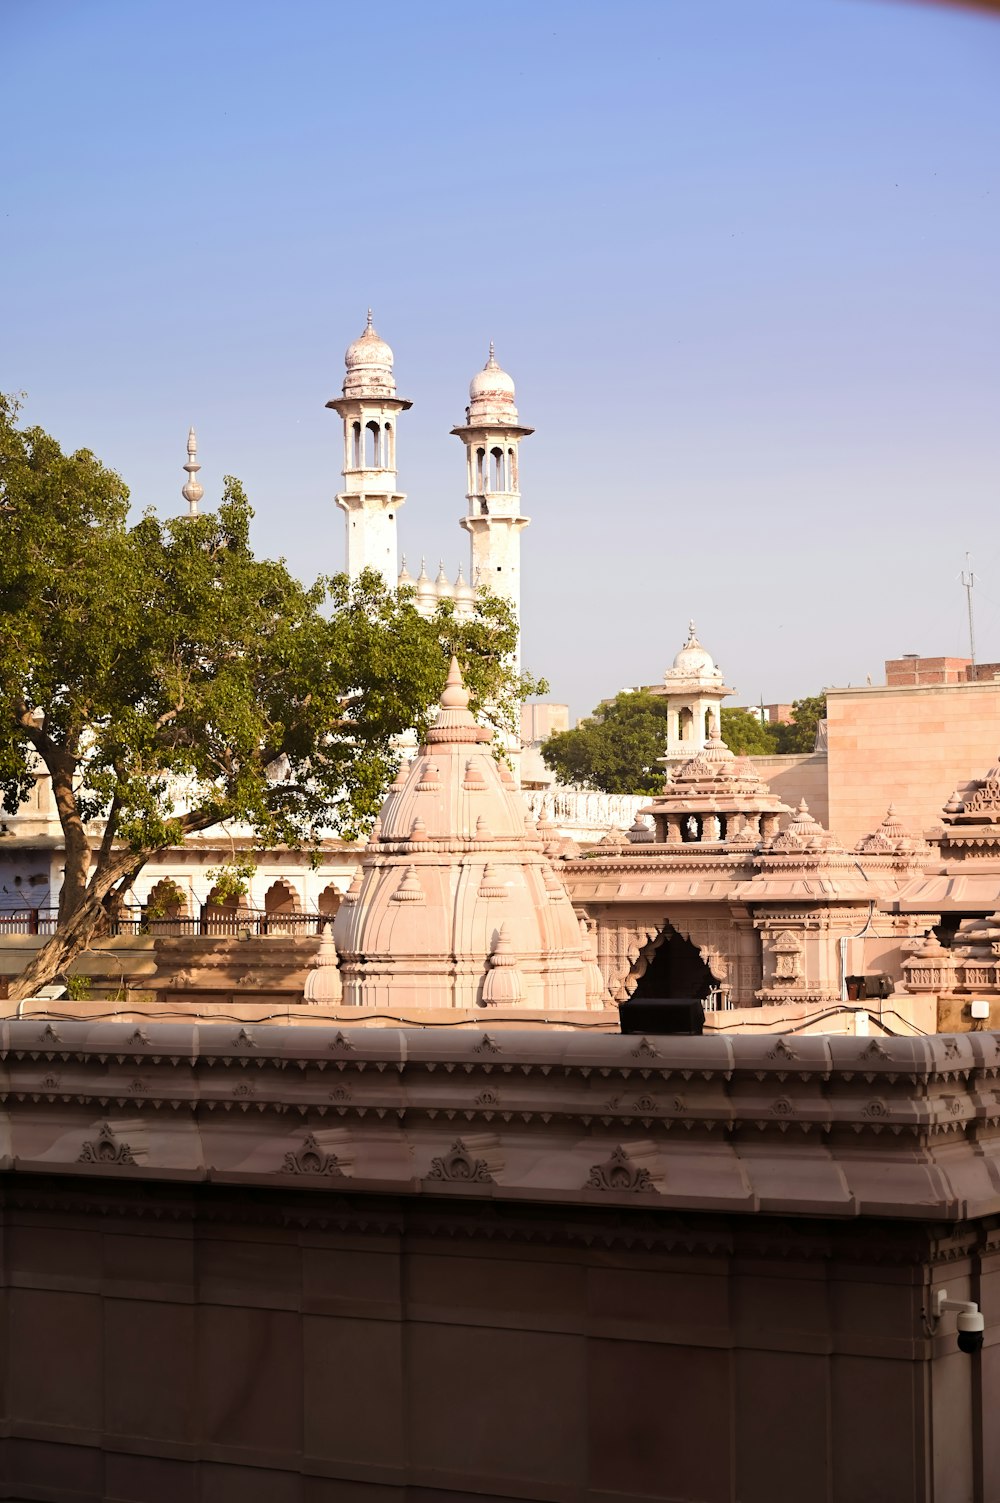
970, 1323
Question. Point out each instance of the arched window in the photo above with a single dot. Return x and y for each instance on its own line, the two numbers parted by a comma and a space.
388, 448
224, 914
480, 469
685, 720
709, 724
281, 906
511, 472
166, 908
498, 480
356, 447
372, 446
329, 900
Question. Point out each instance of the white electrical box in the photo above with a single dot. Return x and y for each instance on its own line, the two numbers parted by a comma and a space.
980, 1009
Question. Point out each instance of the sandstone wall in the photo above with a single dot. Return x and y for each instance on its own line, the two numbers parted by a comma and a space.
906, 746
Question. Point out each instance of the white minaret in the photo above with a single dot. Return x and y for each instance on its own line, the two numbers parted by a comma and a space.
369, 500
492, 435
191, 490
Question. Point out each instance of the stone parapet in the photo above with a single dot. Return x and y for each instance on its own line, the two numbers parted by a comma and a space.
833, 1126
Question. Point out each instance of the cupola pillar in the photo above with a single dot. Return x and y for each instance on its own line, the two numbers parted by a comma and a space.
694, 689
369, 408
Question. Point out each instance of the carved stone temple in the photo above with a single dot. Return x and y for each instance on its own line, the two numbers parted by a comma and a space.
457, 904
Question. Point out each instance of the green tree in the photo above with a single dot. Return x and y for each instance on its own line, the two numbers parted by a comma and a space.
615, 750
167, 680
800, 734
745, 735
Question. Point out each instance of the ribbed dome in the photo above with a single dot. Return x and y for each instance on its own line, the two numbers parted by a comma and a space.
369, 365
693, 661
491, 393
452, 869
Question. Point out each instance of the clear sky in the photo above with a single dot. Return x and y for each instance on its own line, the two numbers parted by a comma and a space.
742, 258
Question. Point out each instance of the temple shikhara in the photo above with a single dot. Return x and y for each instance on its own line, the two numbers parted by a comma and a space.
376, 1182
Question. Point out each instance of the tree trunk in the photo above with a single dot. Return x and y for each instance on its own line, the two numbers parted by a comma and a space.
69, 941
75, 932
77, 847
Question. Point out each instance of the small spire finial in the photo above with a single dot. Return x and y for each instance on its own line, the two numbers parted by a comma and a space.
369, 318
191, 490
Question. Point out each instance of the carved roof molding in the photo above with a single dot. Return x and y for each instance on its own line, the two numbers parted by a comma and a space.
893, 1126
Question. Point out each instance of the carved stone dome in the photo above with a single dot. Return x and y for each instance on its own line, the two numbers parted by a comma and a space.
459, 904
368, 362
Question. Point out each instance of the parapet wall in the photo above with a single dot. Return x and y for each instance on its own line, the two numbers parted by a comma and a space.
889, 1126
343, 1265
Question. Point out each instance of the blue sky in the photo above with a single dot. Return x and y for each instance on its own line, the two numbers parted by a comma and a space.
742, 258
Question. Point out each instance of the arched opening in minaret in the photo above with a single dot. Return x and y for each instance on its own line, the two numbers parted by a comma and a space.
676, 969
388, 447
356, 447
480, 469
498, 478
709, 724
372, 458
685, 721
511, 470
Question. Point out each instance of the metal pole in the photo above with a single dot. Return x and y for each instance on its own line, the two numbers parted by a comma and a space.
968, 580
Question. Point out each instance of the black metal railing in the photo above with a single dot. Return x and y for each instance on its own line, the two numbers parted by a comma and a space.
212, 921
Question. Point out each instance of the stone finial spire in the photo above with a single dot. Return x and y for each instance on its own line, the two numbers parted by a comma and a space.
191, 490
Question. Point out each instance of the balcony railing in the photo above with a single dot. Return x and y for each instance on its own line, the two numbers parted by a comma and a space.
210, 921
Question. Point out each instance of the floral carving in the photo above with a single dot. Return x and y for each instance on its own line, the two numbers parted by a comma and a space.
312, 1158
135, 1039
244, 1040
458, 1164
875, 1050
782, 1049
645, 1050
106, 1149
341, 1041
487, 1045
782, 1107
619, 1173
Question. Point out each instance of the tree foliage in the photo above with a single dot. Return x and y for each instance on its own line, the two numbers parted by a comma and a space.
168, 680
745, 735
800, 735
615, 750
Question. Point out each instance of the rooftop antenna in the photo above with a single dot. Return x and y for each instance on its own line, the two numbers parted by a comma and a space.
968, 582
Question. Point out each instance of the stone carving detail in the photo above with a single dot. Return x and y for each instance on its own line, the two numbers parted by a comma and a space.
787, 952
875, 1050
135, 1039
645, 1050
106, 1149
312, 1158
619, 1173
985, 800
782, 1050
340, 1041
487, 1045
459, 1165
244, 1040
